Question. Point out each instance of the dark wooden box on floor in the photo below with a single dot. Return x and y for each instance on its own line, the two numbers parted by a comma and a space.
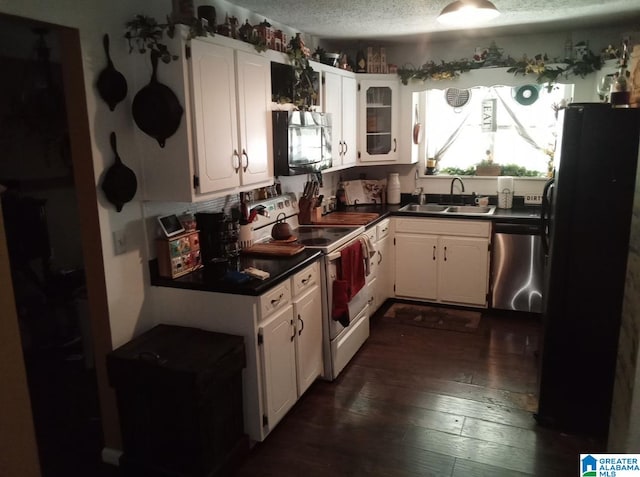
179, 394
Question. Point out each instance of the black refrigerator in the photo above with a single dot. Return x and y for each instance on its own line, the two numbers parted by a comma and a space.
587, 214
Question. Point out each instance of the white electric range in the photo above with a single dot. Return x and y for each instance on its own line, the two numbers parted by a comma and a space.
341, 339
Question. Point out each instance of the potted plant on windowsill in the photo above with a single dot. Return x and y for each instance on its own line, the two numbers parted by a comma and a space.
486, 167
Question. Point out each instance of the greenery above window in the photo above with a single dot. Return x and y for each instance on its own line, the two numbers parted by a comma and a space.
546, 70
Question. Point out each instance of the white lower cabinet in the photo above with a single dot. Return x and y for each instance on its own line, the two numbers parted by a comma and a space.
380, 279
385, 258
291, 342
416, 266
307, 313
278, 364
282, 330
442, 260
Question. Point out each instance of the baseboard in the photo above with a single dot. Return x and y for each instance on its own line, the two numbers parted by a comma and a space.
111, 456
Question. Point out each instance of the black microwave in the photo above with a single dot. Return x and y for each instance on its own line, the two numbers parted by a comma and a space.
301, 142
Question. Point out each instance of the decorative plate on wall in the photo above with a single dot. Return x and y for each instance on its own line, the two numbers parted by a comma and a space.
457, 98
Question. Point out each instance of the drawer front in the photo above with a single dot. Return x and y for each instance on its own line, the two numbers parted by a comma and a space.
305, 279
466, 228
275, 299
383, 228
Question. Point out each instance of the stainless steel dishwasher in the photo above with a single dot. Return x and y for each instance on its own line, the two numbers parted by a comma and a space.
517, 267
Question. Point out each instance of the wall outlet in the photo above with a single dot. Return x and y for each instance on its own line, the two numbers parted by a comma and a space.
119, 242
533, 199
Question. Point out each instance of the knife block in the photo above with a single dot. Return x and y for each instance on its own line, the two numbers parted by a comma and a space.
306, 206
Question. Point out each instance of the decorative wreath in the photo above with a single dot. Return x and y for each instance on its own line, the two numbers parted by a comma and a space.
527, 95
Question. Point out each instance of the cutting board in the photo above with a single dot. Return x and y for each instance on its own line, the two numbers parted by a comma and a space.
347, 218
363, 192
274, 249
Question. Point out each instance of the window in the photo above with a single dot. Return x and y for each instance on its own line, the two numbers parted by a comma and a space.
513, 127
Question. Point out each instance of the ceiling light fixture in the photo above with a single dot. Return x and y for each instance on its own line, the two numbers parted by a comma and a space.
468, 12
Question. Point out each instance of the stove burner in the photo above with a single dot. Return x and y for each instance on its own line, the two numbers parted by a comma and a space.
316, 241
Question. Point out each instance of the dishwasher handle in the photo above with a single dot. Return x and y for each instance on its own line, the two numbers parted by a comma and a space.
516, 229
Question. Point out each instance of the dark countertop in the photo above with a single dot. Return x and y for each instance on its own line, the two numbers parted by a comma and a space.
520, 213
212, 278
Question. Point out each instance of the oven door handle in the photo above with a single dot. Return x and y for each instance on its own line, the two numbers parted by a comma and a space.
333, 256
336, 254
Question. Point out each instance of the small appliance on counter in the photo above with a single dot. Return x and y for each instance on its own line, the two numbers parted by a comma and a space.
218, 237
505, 192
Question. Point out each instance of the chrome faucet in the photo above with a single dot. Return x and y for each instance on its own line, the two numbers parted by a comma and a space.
456, 178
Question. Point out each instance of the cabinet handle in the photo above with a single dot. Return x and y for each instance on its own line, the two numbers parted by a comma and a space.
306, 280
379, 257
294, 331
434, 252
246, 164
301, 321
445, 254
346, 148
276, 301
236, 161
395, 144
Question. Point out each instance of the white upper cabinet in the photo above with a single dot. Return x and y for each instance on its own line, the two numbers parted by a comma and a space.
215, 116
379, 120
340, 100
254, 102
223, 143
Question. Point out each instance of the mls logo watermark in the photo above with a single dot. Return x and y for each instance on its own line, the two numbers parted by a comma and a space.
609, 465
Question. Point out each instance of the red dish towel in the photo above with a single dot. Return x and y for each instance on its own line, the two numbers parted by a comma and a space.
340, 305
352, 267
350, 281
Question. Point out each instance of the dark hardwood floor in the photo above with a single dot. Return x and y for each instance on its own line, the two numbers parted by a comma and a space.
425, 402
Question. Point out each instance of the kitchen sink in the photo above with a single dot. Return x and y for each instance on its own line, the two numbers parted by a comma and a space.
424, 208
471, 209
449, 209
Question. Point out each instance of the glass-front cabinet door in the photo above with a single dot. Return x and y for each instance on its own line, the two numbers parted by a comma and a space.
378, 120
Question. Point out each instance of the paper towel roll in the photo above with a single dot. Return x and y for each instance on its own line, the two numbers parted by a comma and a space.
505, 183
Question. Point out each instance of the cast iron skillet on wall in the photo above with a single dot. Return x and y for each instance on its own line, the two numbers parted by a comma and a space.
120, 183
111, 84
156, 109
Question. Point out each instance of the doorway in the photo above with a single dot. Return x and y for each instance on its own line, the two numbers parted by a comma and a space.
52, 234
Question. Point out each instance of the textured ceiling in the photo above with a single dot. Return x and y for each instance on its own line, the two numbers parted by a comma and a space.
402, 19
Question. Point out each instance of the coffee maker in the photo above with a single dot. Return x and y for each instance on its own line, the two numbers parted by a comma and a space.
218, 237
